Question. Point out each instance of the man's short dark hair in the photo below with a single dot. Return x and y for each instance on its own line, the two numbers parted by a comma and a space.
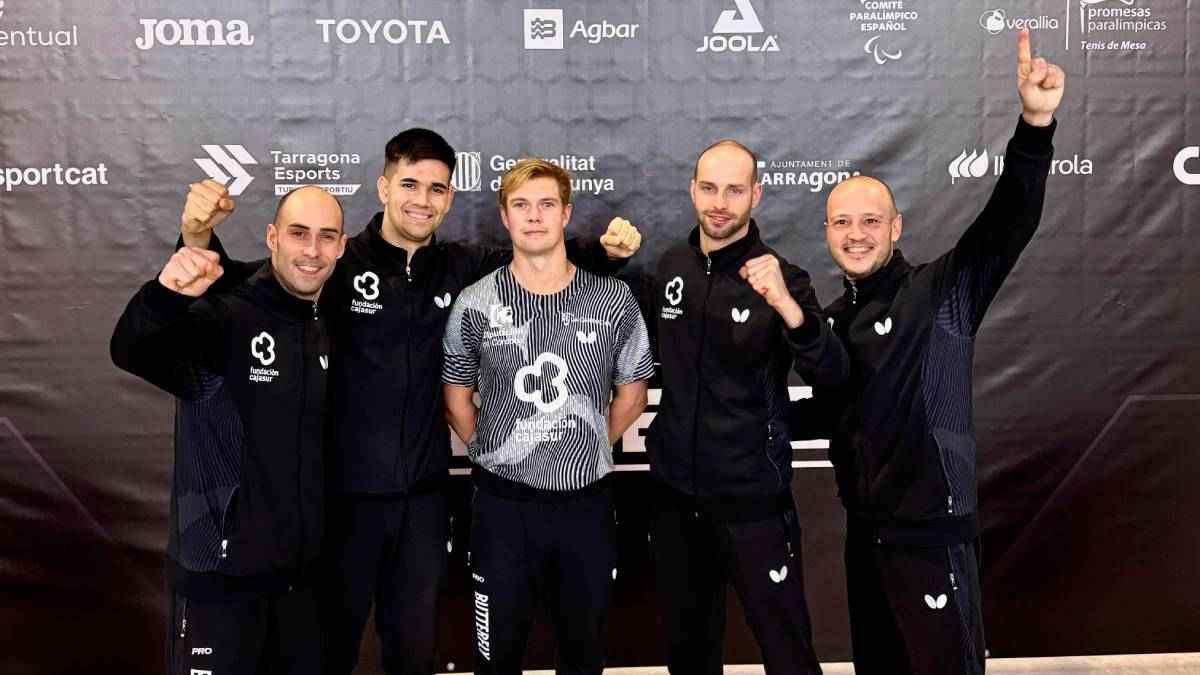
733, 143
414, 145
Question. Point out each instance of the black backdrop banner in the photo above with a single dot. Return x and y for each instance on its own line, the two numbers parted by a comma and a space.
1087, 385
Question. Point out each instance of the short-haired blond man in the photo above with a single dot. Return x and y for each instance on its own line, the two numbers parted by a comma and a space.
559, 358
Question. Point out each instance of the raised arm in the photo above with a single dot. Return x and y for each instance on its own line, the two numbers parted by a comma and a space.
817, 354
991, 245
167, 338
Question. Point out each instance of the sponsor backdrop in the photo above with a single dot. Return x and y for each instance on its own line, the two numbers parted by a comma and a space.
1088, 372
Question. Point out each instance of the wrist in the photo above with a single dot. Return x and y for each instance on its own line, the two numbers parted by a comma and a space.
1037, 119
791, 313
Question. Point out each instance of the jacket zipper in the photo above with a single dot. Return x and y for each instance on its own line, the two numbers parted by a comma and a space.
699, 371
397, 468
853, 292
300, 439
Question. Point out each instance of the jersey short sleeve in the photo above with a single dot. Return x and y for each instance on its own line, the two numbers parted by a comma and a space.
460, 346
633, 361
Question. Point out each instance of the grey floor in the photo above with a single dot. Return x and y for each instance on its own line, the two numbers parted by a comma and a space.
1125, 664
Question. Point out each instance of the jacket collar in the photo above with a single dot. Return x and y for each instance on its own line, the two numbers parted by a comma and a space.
884, 278
386, 253
731, 256
265, 288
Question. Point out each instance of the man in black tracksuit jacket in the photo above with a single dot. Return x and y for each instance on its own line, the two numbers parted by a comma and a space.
732, 318
903, 445
249, 368
389, 445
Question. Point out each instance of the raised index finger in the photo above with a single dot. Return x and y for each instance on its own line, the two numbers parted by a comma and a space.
1024, 56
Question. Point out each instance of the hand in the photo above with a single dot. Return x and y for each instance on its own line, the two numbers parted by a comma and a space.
766, 277
621, 240
1040, 84
191, 271
208, 205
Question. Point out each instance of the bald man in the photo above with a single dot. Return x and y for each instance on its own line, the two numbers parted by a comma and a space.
248, 368
903, 446
732, 319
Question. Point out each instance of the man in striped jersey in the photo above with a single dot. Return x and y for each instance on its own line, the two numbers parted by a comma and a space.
546, 345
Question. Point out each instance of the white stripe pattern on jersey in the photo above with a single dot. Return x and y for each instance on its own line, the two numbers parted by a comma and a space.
545, 367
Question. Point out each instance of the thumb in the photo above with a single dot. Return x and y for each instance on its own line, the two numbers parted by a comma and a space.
226, 204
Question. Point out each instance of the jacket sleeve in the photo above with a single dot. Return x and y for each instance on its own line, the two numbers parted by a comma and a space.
817, 354
173, 341
235, 271
486, 259
591, 256
977, 266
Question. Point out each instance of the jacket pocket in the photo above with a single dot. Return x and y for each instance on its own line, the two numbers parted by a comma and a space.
227, 514
956, 459
770, 453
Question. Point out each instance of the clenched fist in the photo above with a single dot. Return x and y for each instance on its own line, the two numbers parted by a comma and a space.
208, 205
766, 277
621, 240
191, 271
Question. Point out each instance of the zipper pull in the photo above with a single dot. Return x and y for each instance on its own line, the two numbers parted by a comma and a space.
450, 539
949, 503
408, 271
707, 266
853, 293
314, 311
224, 549
953, 582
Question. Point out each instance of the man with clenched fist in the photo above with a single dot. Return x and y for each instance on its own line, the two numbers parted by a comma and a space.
249, 368
733, 319
387, 304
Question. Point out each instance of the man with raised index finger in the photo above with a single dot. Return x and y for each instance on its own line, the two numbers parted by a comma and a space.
903, 444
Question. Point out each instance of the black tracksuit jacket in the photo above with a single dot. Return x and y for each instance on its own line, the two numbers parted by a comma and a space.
387, 314
249, 370
903, 443
722, 430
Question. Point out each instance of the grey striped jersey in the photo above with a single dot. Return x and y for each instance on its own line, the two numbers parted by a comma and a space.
545, 367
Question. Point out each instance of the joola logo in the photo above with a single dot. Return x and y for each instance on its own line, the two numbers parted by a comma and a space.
736, 30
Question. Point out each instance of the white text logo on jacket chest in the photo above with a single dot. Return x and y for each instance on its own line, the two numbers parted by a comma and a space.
673, 293
262, 348
367, 286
